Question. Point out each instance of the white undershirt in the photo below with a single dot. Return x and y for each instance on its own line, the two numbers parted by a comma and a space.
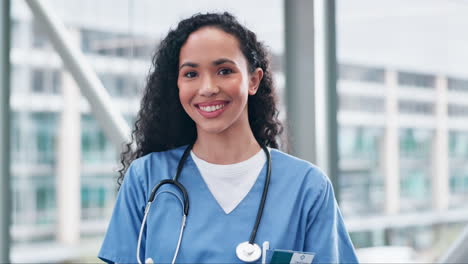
229, 184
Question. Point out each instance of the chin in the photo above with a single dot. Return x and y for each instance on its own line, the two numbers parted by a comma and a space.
212, 129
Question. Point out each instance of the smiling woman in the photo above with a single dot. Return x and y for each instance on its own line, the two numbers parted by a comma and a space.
209, 117
213, 90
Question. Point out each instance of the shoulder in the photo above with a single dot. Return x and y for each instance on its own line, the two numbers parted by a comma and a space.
160, 156
308, 176
297, 165
156, 165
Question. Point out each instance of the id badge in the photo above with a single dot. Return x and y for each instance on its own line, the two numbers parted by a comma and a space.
277, 256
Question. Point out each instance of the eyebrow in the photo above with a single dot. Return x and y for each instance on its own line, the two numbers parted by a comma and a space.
223, 60
216, 63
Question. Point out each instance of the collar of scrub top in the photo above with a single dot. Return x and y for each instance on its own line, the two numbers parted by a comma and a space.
246, 251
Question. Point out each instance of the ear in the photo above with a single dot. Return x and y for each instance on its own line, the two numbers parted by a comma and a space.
254, 81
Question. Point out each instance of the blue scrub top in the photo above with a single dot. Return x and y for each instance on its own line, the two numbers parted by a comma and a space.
300, 214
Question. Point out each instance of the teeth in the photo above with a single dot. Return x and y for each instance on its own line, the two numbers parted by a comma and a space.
211, 108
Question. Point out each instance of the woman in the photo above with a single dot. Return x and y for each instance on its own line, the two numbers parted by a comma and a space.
209, 116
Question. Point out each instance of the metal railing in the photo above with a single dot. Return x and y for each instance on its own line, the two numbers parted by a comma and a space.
112, 122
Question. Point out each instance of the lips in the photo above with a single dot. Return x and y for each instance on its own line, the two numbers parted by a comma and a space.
211, 109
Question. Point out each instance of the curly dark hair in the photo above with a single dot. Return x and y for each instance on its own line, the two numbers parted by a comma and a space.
163, 124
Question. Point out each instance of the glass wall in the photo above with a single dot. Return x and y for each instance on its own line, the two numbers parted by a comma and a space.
361, 181
415, 169
97, 196
407, 74
33, 183
95, 147
458, 149
33, 137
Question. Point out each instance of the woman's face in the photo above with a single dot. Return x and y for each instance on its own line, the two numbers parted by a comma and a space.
214, 81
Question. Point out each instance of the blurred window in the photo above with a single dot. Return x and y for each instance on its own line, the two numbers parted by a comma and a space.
361, 73
416, 79
458, 153
37, 80
95, 147
415, 174
361, 103
45, 201
458, 144
122, 85
459, 184
93, 197
367, 238
144, 51
44, 129
457, 110
458, 84
45, 81
116, 44
97, 195
416, 107
39, 36
416, 237
415, 143
361, 182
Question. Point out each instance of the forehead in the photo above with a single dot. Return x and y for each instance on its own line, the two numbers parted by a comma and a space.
210, 43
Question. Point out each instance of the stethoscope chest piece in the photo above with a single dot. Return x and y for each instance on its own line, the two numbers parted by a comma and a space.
248, 252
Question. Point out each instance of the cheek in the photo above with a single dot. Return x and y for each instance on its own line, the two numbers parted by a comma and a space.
184, 101
238, 88
183, 93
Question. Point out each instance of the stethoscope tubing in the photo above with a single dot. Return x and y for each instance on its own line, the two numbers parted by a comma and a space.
264, 196
179, 186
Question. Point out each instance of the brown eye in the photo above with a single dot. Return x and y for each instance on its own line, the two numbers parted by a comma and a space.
190, 74
225, 71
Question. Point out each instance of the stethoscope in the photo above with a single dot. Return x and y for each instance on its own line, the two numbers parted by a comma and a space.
247, 251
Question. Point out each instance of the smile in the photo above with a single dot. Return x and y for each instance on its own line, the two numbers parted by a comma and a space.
211, 108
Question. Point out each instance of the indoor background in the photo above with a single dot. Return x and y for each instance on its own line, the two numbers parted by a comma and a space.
401, 112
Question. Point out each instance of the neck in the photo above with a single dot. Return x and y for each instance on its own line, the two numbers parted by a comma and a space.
226, 148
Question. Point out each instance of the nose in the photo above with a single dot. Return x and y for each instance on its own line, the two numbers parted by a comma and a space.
208, 87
